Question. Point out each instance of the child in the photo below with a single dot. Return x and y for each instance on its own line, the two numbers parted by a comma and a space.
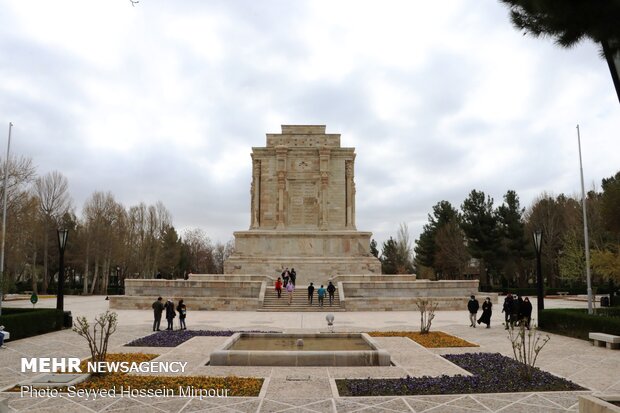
279, 287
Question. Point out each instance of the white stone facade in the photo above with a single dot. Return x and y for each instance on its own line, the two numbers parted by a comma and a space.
302, 212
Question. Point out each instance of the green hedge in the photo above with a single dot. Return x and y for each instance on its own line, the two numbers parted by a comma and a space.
578, 323
27, 322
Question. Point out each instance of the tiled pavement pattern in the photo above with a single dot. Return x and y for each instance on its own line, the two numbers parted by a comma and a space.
311, 389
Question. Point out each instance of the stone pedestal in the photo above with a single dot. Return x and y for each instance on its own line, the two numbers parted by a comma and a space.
313, 254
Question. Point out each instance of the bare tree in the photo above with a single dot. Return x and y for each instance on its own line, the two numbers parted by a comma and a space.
52, 191
199, 251
19, 174
104, 223
221, 254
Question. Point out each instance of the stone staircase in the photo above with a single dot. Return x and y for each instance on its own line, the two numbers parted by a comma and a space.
300, 301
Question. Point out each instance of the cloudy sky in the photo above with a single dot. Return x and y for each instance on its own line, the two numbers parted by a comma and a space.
164, 100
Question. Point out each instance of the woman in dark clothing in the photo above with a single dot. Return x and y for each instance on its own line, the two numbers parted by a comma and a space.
170, 313
519, 309
526, 309
486, 313
182, 313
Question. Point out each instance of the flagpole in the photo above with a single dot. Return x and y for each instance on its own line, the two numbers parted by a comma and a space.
6, 179
585, 227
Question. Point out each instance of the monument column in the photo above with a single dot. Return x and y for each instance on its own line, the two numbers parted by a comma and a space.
255, 193
281, 152
324, 154
349, 194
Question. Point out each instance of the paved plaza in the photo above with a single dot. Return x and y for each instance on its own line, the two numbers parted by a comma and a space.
312, 389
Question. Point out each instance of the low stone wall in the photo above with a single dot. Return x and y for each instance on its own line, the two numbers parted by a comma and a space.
192, 288
373, 277
407, 303
120, 302
419, 288
197, 294
402, 295
231, 277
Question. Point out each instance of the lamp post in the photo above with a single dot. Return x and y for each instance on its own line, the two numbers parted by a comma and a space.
62, 243
538, 235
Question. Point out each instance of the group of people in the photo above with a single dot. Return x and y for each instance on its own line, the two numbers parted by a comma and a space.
517, 310
286, 282
159, 308
320, 292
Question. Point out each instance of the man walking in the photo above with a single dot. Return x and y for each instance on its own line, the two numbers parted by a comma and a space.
472, 307
158, 308
310, 293
321, 294
330, 290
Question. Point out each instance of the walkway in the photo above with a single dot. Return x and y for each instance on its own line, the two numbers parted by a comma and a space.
310, 389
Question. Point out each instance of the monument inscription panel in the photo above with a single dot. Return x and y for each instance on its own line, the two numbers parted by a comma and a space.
303, 206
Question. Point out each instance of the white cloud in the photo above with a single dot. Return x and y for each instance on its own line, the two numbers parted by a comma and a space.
163, 101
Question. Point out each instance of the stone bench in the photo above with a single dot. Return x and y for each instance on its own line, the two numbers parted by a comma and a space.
6, 334
602, 339
562, 293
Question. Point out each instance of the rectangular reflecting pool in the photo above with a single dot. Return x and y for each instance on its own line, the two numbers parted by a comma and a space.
284, 349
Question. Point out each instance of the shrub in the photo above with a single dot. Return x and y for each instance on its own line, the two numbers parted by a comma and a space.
578, 323
427, 309
27, 322
526, 345
103, 327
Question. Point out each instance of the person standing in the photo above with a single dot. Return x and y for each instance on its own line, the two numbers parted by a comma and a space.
310, 293
486, 312
290, 287
331, 289
321, 295
507, 310
293, 276
182, 310
170, 314
279, 287
472, 306
527, 312
517, 309
285, 277
158, 308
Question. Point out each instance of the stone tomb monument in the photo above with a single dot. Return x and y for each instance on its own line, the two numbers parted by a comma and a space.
302, 216
302, 210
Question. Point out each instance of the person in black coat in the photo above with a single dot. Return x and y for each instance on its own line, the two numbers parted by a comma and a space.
310, 293
158, 308
526, 310
293, 276
170, 313
486, 312
472, 306
182, 310
507, 310
517, 311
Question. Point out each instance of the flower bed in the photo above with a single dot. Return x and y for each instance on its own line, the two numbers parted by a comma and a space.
433, 339
492, 373
177, 337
